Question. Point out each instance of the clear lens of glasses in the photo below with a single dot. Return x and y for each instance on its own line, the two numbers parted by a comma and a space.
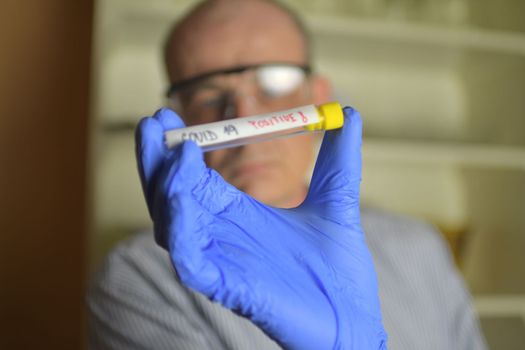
279, 80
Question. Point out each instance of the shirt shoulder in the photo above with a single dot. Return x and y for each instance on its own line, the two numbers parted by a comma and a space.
403, 238
137, 295
424, 302
137, 261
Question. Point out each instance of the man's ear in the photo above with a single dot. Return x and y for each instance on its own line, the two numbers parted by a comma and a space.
321, 89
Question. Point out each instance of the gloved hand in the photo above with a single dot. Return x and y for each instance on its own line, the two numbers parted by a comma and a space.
303, 275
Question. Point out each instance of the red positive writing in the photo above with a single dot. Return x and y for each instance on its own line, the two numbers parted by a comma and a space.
273, 120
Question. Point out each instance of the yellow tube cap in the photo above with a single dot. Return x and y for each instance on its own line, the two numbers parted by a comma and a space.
331, 115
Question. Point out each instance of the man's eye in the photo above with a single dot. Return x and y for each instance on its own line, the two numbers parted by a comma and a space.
211, 107
208, 99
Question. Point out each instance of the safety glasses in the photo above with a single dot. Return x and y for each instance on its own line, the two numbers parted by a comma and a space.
213, 96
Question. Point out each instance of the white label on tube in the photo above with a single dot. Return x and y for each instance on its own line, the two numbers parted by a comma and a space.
232, 129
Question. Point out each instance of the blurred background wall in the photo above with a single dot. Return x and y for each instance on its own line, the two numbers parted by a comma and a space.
45, 55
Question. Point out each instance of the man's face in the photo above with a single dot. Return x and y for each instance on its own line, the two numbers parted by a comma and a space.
272, 171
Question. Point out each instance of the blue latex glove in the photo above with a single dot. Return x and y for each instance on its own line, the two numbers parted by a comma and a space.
303, 275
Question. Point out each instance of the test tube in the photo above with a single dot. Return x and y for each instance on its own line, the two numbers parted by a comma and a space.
257, 128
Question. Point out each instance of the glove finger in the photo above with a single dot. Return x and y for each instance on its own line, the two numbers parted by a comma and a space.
168, 119
189, 244
150, 156
150, 150
208, 187
186, 169
149, 142
190, 240
337, 173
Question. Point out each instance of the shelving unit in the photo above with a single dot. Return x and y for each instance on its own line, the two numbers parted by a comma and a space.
443, 104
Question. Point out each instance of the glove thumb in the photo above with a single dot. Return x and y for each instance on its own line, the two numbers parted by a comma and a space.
337, 173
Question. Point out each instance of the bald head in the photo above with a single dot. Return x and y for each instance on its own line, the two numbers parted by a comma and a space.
218, 34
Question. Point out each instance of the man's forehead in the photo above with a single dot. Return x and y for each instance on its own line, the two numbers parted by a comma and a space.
215, 40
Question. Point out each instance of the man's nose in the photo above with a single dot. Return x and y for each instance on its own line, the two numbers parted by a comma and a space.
244, 105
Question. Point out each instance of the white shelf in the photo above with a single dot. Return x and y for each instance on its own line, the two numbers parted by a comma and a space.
500, 305
420, 34
439, 152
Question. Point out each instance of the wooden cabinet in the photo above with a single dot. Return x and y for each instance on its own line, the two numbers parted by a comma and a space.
44, 113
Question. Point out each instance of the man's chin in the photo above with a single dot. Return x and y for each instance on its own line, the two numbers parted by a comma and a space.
274, 196
263, 190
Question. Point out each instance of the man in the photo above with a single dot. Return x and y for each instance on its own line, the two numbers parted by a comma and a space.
217, 58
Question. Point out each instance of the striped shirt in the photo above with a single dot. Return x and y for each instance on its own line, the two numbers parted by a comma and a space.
136, 302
